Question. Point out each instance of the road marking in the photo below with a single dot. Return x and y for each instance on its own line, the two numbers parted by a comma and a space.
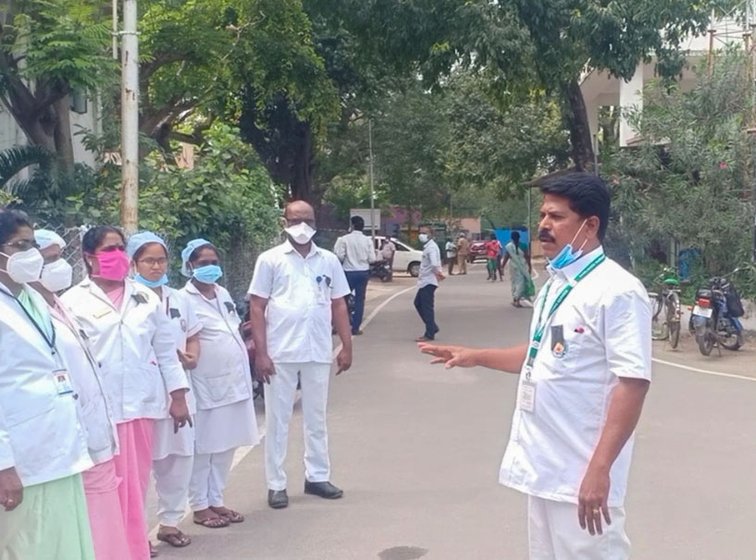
704, 371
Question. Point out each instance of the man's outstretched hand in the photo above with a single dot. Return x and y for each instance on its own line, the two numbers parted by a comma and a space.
450, 356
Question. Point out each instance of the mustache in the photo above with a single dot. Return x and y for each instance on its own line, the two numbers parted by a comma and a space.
544, 235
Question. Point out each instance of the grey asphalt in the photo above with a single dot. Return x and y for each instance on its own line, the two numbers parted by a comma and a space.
417, 451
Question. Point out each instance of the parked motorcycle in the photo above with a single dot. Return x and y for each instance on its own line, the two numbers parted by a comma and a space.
381, 270
714, 321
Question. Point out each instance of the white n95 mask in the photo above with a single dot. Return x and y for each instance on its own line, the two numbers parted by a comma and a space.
301, 233
57, 276
25, 266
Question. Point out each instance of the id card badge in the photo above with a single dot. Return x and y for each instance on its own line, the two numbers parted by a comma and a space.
62, 382
527, 396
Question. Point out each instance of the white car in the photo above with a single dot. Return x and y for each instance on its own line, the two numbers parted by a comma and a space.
406, 258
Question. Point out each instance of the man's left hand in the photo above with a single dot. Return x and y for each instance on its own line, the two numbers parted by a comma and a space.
592, 500
179, 411
344, 360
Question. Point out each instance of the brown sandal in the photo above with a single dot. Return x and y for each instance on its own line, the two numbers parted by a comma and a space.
177, 539
230, 515
213, 522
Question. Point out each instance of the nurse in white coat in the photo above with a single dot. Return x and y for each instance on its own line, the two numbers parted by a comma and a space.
100, 482
131, 338
43, 443
222, 381
172, 451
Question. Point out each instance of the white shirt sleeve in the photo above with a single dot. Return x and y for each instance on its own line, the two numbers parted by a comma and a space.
164, 346
435, 257
370, 250
339, 249
339, 285
262, 279
627, 335
193, 324
6, 451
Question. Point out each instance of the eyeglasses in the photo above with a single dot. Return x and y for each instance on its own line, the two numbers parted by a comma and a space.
162, 261
22, 244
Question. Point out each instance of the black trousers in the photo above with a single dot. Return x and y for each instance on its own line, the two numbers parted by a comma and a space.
424, 303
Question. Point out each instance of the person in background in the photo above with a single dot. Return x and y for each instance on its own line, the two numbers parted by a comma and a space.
388, 250
522, 269
356, 253
43, 442
100, 482
297, 292
431, 273
222, 381
493, 251
463, 251
584, 376
131, 339
451, 255
172, 450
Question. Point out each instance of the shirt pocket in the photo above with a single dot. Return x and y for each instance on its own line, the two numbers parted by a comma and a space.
213, 389
34, 398
565, 343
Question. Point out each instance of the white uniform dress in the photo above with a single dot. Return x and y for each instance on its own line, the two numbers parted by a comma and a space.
222, 382
173, 453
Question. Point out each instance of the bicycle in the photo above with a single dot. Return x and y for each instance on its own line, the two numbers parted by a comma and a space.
667, 310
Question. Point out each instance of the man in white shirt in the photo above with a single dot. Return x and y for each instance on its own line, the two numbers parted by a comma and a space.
356, 252
583, 380
297, 293
431, 272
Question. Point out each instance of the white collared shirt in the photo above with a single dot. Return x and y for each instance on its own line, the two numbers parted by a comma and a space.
355, 251
299, 291
430, 264
606, 330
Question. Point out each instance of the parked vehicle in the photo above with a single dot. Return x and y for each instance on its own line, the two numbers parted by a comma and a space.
714, 320
666, 308
406, 258
477, 251
380, 270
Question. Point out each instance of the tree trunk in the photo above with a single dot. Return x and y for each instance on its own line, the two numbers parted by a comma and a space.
580, 130
302, 164
62, 135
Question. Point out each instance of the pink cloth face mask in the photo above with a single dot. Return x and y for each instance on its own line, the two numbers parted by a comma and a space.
114, 265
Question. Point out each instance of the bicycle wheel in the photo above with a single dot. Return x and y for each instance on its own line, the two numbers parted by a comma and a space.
674, 312
659, 330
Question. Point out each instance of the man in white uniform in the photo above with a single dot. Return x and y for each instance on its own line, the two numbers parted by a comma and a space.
297, 293
356, 252
584, 378
431, 273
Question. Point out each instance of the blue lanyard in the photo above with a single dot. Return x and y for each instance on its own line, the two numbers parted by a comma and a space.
535, 343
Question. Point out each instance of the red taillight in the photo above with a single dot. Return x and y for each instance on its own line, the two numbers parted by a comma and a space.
704, 302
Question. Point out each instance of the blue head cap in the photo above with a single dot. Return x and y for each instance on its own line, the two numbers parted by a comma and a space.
187, 252
139, 240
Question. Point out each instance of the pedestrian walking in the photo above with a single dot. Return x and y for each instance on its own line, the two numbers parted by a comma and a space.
493, 250
583, 380
222, 381
131, 338
172, 451
297, 292
43, 443
356, 253
388, 250
463, 251
431, 273
521, 271
451, 255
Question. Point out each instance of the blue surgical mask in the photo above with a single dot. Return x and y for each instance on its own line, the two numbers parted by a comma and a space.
151, 283
568, 255
209, 274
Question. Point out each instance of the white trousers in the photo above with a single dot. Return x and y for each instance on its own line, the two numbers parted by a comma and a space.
555, 534
209, 478
172, 478
279, 406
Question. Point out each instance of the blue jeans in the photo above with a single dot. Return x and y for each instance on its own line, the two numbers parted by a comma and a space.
358, 281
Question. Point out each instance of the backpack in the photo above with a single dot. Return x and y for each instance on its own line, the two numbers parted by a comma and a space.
734, 304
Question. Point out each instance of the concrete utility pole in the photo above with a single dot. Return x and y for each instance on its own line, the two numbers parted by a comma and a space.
129, 118
372, 182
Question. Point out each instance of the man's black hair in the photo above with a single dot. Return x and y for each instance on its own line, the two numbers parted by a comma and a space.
358, 223
587, 193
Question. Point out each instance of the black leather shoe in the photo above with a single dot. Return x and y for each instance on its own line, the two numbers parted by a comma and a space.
323, 489
278, 499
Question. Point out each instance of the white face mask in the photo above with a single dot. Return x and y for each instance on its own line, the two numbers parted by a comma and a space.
25, 266
301, 234
423, 237
57, 276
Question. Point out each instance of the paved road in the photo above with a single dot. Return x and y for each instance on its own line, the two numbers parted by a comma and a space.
417, 450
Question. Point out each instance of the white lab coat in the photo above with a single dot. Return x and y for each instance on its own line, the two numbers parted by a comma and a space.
134, 346
86, 377
41, 432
